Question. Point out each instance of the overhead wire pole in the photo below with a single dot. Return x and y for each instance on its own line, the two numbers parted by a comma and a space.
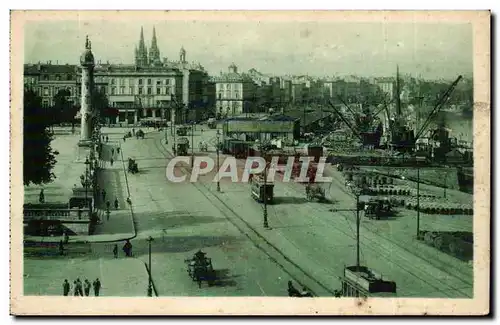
218, 165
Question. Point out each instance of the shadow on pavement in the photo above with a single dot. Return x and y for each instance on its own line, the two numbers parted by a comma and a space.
223, 278
168, 221
179, 244
289, 200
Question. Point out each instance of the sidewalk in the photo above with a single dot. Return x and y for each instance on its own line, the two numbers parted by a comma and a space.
118, 277
112, 178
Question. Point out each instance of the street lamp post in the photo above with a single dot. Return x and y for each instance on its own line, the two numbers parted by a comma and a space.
192, 144
357, 193
418, 201
218, 166
263, 153
266, 224
150, 282
86, 180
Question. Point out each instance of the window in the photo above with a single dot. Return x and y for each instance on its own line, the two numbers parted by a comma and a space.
236, 94
140, 90
112, 81
45, 77
113, 89
131, 82
158, 82
58, 77
140, 81
149, 81
122, 81
158, 91
122, 90
167, 81
150, 90
45, 91
45, 104
131, 90
229, 87
220, 95
69, 77
167, 91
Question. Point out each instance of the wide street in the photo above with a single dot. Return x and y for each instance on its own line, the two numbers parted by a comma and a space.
307, 239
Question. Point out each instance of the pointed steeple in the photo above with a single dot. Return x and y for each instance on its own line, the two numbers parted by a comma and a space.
153, 41
142, 54
154, 52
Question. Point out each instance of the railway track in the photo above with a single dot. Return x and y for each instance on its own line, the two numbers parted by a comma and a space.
437, 264
409, 267
295, 271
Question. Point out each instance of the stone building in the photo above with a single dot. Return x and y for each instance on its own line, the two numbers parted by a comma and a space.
235, 93
150, 87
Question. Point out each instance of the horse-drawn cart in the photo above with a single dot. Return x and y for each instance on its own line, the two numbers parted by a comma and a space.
315, 191
132, 166
203, 146
200, 269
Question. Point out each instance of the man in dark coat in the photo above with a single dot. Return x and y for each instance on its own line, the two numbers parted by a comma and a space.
127, 248
116, 203
103, 195
97, 287
86, 287
79, 287
115, 251
75, 289
61, 248
66, 287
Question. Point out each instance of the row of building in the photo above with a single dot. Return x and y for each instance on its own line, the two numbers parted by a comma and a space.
151, 87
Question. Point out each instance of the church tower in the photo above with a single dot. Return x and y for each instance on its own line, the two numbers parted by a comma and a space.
141, 56
87, 64
154, 52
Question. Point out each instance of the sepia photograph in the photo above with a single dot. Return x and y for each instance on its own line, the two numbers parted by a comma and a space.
252, 163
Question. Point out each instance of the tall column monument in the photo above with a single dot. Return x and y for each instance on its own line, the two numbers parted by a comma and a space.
86, 110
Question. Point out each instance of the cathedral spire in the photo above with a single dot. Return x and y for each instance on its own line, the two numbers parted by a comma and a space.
154, 52
142, 54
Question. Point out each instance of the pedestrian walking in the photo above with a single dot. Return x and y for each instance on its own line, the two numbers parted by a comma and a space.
103, 192
118, 150
41, 197
127, 248
87, 287
111, 161
97, 287
75, 289
66, 237
112, 151
66, 287
61, 248
107, 214
115, 251
133, 131
79, 287
116, 203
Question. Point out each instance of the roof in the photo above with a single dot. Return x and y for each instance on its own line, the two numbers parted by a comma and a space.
280, 118
50, 68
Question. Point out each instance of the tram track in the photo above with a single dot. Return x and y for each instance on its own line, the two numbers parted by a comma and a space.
274, 253
410, 267
459, 274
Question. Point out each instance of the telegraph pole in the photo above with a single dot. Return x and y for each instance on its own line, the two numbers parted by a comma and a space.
218, 166
418, 200
150, 284
192, 144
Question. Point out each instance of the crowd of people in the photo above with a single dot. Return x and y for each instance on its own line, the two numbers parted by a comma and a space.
81, 289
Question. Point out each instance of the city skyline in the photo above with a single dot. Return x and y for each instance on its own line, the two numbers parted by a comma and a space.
432, 51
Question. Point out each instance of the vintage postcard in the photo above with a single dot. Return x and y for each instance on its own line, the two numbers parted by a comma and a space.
250, 163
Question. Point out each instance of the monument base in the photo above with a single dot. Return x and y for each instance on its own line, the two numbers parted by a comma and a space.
85, 143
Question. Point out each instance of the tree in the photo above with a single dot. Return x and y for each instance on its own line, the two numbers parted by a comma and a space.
63, 111
100, 104
39, 159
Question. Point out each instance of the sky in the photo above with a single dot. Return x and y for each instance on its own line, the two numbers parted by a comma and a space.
432, 50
